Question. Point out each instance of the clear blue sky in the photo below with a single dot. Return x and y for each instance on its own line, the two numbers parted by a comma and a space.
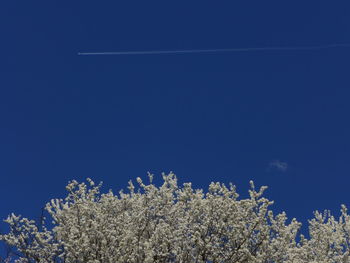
280, 118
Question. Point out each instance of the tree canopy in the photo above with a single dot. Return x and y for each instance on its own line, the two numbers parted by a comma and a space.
172, 224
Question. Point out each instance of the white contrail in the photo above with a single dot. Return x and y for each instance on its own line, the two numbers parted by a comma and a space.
159, 52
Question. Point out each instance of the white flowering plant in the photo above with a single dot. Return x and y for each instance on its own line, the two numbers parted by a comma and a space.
172, 224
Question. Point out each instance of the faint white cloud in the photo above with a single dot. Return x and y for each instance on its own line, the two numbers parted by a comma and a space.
278, 165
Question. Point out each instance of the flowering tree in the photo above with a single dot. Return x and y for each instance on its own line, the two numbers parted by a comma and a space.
173, 224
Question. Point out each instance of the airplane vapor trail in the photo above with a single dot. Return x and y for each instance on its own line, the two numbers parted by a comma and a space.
159, 52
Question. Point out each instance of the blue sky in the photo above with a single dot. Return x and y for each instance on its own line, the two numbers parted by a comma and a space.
280, 118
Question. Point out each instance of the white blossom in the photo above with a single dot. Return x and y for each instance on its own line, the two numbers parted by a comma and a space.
173, 224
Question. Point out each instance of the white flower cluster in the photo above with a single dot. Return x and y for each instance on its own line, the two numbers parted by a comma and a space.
173, 224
